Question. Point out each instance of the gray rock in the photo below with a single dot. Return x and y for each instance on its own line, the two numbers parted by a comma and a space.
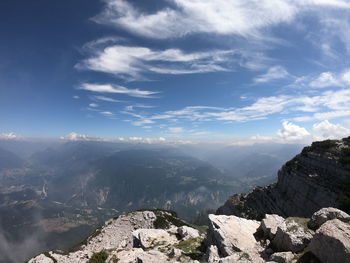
150, 238
331, 243
137, 255
282, 257
325, 214
292, 236
310, 181
270, 224
187, 232
41, 259
212, 254
232, 234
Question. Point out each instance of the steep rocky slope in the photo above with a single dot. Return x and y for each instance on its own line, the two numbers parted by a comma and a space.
318, 177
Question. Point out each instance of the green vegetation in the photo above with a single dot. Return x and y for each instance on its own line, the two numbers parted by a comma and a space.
164, 220
245, 256
99, 257
320, 147
292, 164
193, 247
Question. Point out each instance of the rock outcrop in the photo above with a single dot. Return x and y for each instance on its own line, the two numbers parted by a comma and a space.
160, 237
144, 236
316, 178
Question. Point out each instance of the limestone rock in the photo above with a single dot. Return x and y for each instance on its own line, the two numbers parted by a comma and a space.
187, 232
270, 224
137, 255
282, 257
292, 236
310, 181
232, 234
325, 214
331, 243
212, 254
41, 259
149, 238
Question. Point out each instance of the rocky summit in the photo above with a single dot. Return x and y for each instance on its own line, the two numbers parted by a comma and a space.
302, 218
159, 236
317, 177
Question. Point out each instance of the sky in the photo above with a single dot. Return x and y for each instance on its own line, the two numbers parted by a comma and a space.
200, 70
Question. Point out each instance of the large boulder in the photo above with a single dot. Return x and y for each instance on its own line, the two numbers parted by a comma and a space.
270, 224
293, 235
325, 214
331, 243
150, 238
232, 234
234, 238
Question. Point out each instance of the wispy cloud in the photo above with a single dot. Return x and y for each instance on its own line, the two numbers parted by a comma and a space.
93, 105
327, 105
273, 73
110, 88
132, 62
225, 17
8, 136
108, 99
107, 113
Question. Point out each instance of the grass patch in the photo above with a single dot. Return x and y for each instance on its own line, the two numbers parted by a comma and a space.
320, 147
245, 256
164, 220
193, 248
99, 257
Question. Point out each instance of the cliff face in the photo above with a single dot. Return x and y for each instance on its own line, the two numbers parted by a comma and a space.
318, 177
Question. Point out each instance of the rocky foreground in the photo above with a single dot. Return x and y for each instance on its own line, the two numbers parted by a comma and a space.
159, 236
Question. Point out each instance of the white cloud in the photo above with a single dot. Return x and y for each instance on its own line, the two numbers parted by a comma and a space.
107, 113
109, 88
176, 129
93, 105
326, 79
227, 17
8, 136
142, 140
327, 105
274, 73
293, 133
131, 62
76, 97
328, 130
73, 136
103, 98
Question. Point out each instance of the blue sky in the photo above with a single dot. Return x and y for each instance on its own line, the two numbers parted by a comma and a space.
201, 70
